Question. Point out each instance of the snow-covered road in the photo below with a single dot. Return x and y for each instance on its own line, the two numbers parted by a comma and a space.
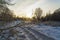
29, 31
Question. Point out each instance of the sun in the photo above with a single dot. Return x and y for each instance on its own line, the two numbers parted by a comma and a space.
29, 13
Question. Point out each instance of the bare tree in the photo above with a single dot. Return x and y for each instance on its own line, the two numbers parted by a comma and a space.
38, 13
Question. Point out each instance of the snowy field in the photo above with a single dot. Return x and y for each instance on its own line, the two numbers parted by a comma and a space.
49, 31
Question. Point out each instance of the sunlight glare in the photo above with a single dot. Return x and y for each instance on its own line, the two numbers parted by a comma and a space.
28, 13
28, 10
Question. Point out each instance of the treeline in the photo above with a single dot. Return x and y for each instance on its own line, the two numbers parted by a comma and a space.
6, 14
55, 16
52, 17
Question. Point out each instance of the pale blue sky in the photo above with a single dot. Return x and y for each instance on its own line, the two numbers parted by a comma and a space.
22, 6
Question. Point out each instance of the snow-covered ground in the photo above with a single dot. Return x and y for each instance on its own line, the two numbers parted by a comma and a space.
49, 31
11, 24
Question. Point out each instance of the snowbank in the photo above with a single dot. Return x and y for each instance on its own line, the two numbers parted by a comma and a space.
11, 24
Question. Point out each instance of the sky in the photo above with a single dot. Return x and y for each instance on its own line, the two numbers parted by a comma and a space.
27, 7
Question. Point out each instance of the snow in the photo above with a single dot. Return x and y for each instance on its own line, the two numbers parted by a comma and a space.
49, 31
11, 24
